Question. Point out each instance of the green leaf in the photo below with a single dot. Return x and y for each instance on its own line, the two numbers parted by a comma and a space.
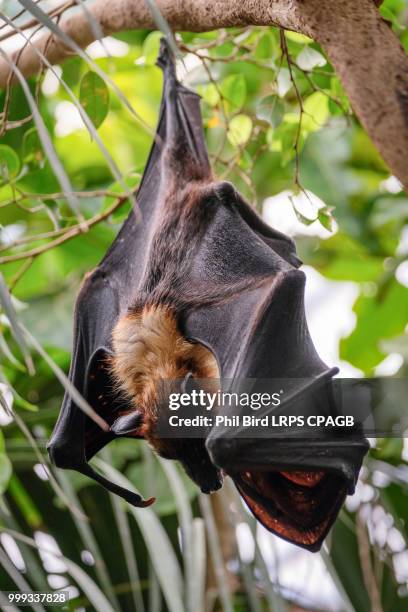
388, 210
158, 544
344, 555
5, 466
2, 443
388, 15
185, 516
284, 82
266, 46
302, 218
165, 504
71, 71
271, 109
378, 317
223, 50
90, 588
9, 163
309, 58
94, 97
364, 153
389, 449
282, 140
298, 38
151, 47
209, 93
399, 344
234, 90
354, 268
24, 503
340, 95
33, 153
316, 111
245, 160
326, 219
240, 129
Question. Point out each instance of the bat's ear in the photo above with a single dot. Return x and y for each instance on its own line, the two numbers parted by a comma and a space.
127, 424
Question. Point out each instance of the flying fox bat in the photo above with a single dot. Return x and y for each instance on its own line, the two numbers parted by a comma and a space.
197, 286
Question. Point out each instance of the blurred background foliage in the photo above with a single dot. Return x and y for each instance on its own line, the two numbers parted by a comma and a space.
279, 126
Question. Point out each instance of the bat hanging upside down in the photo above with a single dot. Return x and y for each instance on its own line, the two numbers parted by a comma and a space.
197, 286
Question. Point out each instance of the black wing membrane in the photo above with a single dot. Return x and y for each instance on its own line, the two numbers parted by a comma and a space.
294, 484
108, 291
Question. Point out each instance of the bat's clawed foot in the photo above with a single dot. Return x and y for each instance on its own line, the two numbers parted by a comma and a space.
200, 469
211, 488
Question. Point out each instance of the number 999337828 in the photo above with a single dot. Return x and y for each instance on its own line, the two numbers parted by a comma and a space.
27, 598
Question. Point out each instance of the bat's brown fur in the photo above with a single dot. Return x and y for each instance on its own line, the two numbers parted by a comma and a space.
149, 347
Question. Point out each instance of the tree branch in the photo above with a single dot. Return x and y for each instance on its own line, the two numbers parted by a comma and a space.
366, 54
373, 68
68, 234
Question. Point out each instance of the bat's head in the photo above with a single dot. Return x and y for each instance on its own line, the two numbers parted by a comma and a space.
149, 349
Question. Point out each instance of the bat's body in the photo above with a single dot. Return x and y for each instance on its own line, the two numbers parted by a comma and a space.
196, 285
148, 345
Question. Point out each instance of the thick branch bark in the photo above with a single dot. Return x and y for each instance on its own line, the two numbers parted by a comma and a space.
189, 15
363, 49
373, 69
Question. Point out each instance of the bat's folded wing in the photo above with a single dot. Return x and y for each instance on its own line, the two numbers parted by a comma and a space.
112, 287
293, 483
76, 438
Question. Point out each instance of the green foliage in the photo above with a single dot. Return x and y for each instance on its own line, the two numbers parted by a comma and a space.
240, 129
233, 90
9, 164
94, 97
379, 316
151, 47
33, 154
5, 466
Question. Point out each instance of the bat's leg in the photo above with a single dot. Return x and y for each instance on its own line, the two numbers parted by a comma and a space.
166, 62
